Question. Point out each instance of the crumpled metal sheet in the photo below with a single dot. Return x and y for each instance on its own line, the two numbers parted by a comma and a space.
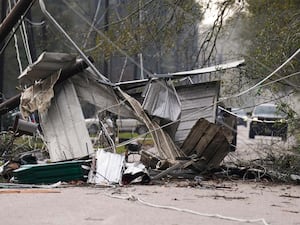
38, 96
109, 168
135, 173
99, 95
210, 69
162, 141
47, 64
64, 127
162, 101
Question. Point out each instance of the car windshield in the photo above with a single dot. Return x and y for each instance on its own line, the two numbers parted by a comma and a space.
267, 110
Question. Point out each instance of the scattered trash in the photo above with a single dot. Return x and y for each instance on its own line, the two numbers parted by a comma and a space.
135, 173
180, 120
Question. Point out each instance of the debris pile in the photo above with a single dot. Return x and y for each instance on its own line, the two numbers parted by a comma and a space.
180, 121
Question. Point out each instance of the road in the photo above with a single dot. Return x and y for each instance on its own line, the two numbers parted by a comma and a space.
249, 149
165, 203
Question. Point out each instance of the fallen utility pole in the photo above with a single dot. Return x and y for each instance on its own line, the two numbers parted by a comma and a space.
13, 17
14, 102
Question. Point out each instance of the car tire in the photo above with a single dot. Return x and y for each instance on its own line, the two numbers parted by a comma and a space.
141, 129
251, 133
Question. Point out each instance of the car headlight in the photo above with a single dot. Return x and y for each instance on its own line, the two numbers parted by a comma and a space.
255, 119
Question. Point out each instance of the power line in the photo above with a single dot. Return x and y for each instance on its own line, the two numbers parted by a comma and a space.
107, 38
266, 78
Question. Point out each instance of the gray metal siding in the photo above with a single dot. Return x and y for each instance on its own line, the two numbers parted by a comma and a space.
197, 101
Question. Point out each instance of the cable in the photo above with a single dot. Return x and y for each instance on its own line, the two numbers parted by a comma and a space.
14, 30
266, 78
282, 78
106, 38
93, 23
16, 44
218, 216
37, 24
48, 15
25, 42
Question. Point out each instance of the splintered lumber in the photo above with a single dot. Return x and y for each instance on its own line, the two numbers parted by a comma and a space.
210, 135
207, 141
193, 137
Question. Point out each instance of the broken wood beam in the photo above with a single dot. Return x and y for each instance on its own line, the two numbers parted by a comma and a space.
179, 165
66, 73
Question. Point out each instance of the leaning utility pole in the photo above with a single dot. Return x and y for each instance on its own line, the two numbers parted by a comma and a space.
2, 16
13, 17
106, 25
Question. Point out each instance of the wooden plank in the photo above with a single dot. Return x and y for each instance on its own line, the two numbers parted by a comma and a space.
208, 136
213, 154
27, 191
214, 147
194, 136
218, 158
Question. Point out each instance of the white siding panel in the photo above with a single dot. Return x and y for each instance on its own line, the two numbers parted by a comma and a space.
197, 101
64, 127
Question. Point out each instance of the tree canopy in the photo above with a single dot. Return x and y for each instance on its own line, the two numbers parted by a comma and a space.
273, 33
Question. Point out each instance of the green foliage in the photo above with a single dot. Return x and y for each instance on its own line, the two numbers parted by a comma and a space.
155, 29
272, 27
272, 31
11, 146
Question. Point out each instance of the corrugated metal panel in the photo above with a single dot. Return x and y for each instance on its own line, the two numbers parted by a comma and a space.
109, 168
197, 101
101, 96
45, 65
64, 127
210, 69
162, 101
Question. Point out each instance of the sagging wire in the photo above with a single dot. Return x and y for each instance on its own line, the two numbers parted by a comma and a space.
107, 38
25, 39
25, 42
237, 95
263, 80
36, 24
93, 23
270, 69
248, 119
16, 44
131, 197
280, 79
14, 30
49, 16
